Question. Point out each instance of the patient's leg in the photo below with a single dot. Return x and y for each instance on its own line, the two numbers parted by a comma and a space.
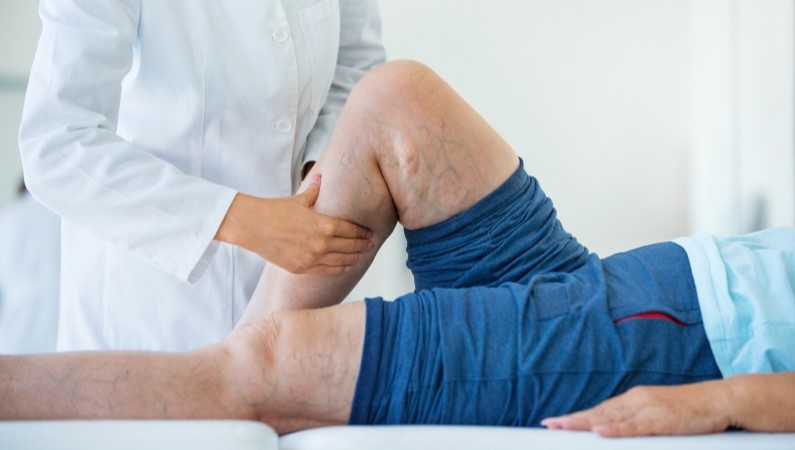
298, 369
407, 148
293, 370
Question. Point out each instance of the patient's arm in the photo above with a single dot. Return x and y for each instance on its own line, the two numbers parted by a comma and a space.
758, 402
406, 147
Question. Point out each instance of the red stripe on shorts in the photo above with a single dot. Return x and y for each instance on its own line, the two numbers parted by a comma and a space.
652, 315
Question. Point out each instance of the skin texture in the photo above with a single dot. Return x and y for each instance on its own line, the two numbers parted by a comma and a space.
758, 402
293, 370
408, 148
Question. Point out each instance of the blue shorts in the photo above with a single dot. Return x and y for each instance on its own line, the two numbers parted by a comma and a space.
513, 321
510, 235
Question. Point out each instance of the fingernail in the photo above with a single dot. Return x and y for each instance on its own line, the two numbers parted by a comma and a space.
315, 179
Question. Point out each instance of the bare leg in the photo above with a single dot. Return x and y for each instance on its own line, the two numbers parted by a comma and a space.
294, 370
298, 369
406, 148
92, 385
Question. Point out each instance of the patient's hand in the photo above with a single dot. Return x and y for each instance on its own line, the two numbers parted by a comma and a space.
755, 402
688, 409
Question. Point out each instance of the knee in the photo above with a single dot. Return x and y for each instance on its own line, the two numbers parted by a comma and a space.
256, 363
255, 344
397, 87
263, 340
392, 100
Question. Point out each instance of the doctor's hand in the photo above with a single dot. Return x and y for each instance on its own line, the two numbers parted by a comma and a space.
288, 232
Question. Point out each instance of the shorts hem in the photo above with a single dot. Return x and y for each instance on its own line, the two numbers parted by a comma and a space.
368, 367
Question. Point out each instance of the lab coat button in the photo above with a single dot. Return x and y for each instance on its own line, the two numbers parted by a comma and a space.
283, 126
280, 34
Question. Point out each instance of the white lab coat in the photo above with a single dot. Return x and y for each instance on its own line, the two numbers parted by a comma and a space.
30, 255
142, 120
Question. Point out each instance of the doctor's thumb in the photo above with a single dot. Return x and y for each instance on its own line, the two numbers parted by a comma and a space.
310, 194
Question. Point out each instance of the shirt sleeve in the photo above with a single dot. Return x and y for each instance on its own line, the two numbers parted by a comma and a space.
75, 162
360, 51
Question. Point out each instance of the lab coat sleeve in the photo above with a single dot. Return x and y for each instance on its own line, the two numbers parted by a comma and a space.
77, 165
360, 51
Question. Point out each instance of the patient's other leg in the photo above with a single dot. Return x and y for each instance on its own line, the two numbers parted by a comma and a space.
407, 148
293, 370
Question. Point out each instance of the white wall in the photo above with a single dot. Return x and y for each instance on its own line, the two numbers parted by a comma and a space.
743, 153
19, 30
592, 94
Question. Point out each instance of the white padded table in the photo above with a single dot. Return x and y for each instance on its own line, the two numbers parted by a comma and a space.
487, 438
243, 435
137, 435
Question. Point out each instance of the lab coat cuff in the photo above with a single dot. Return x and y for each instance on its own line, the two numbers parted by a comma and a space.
207, 235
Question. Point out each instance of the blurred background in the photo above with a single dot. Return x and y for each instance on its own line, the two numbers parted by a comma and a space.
643, 119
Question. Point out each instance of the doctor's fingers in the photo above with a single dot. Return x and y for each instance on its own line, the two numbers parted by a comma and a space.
330, 245
335, 251
331, 226
335, 263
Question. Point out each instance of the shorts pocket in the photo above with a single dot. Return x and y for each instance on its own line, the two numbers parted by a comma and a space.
550, 297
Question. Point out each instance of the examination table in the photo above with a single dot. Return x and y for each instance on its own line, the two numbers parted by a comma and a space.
244, 435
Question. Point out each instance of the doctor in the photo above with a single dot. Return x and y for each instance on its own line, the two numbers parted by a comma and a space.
30, 255
148, 126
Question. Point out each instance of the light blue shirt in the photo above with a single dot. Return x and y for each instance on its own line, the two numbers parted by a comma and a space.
746, 290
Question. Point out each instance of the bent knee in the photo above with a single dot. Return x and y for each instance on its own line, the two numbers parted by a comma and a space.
264, 352
268, 340
395, 87
406, 99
